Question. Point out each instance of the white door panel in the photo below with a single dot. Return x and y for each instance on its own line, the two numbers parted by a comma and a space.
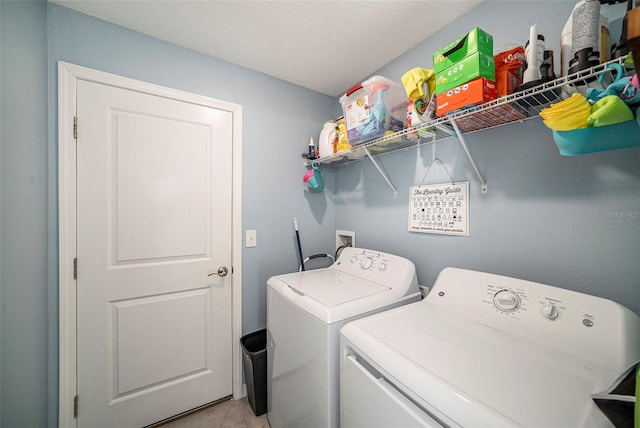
153, 221
138, 363
151, 206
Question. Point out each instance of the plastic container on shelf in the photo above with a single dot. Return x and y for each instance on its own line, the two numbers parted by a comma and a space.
373, 107
583, 141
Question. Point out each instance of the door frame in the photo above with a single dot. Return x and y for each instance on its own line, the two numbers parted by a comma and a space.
68, 76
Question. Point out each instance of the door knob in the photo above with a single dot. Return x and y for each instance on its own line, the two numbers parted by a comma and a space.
222, 271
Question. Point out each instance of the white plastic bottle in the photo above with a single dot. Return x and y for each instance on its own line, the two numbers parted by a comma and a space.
327, 135
534, 51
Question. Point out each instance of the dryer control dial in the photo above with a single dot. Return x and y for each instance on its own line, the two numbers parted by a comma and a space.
506, 300
550, 311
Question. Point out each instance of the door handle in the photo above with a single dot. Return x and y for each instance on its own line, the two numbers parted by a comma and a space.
222, 271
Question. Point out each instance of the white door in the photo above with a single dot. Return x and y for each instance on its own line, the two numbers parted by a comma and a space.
154, 334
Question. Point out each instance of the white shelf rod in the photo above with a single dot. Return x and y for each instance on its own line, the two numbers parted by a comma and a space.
466, 150
395, 192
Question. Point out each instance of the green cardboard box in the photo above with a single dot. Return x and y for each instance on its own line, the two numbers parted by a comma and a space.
473, 66
474, 41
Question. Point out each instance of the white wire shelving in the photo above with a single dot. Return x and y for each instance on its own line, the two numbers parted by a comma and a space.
517, 107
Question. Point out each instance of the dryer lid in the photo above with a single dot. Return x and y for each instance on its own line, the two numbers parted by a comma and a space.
470, 374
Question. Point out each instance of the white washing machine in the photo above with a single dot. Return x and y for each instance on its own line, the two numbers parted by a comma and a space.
305, 311
484, 350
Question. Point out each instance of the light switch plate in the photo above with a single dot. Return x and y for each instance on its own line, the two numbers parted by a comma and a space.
251, 239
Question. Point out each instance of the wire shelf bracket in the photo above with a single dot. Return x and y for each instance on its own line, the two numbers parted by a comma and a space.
382, 173
463, 143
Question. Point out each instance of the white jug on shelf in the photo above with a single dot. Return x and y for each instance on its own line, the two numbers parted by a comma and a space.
327, 135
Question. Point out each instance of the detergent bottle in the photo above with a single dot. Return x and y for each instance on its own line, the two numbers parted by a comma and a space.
327, 135
341, 136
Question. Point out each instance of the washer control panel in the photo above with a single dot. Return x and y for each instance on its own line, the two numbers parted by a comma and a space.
392, 271
370, 260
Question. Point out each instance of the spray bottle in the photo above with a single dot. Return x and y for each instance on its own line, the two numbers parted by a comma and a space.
312, 149
534, 51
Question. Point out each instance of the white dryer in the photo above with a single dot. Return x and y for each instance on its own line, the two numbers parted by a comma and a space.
305, 311
484, 350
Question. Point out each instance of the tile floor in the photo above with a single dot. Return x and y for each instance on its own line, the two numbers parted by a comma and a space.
228, 414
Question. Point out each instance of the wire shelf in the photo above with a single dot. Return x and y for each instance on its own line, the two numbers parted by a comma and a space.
517, 107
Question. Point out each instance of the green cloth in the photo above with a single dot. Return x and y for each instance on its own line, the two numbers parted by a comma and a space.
609, 110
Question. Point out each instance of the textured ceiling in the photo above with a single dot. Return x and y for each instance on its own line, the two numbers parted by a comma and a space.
326, 46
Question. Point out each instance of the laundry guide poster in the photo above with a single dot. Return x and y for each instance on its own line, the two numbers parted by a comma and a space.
440, 208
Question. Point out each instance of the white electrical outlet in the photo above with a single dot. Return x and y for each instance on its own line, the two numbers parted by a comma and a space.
250, 238
345, 237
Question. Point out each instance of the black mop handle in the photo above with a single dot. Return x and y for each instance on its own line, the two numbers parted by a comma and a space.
295, 225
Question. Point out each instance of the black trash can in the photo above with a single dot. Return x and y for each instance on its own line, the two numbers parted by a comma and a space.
254, 359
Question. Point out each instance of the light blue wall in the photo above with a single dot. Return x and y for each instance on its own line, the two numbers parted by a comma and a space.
278, 119
547, 218
23, 217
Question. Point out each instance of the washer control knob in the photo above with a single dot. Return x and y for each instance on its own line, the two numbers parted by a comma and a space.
550, 311
366, 263
382, 267
506, 300
354, 259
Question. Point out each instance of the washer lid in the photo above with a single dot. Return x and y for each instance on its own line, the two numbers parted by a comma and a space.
470, 374
333, 296
331, 287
